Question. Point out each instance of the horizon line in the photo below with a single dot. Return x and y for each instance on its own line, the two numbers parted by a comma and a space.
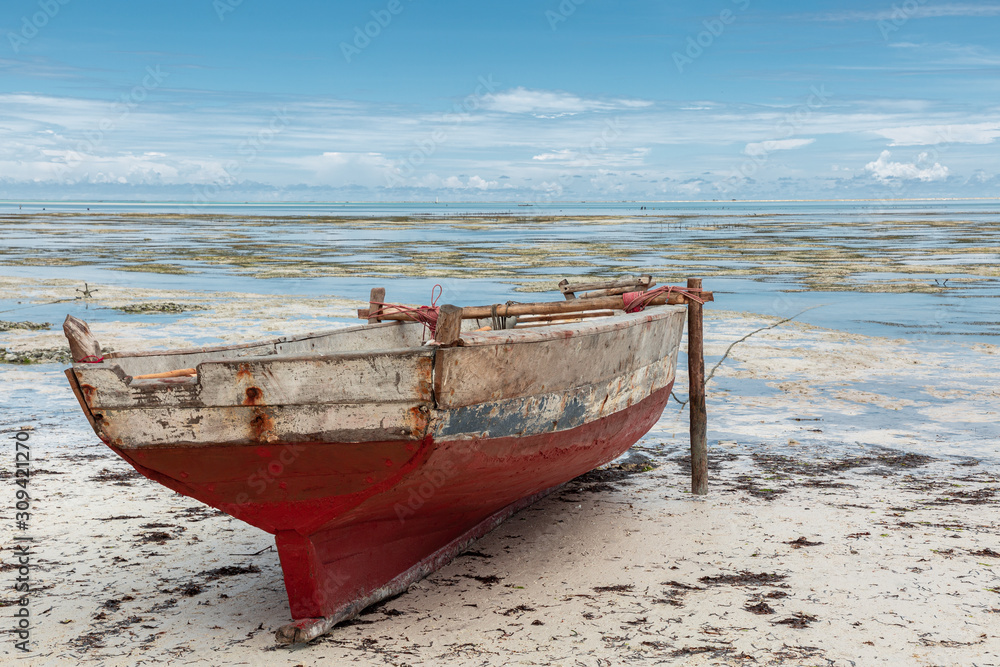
129, 202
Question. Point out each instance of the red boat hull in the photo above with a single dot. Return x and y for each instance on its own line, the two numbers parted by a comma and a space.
349, 518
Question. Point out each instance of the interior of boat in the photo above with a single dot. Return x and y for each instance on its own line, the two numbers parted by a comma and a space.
360, 338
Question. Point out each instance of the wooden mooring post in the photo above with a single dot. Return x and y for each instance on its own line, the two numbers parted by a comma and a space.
696, 395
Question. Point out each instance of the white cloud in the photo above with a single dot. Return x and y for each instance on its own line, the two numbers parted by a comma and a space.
692, 187
931, 135
71, 167
761, 148
909, 11
595, 158
560, 155
551, 103
950, 53
885, 171
343, 168
471, 183
596, 148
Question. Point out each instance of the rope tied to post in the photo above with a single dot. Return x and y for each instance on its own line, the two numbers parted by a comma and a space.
635, 302
91, 359
426, 315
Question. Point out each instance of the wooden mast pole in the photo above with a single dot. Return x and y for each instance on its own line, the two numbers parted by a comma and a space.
696, 395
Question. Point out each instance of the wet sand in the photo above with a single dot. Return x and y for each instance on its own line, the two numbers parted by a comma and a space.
852, 519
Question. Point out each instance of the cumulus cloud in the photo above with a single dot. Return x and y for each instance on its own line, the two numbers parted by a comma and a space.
692, 187
344, 168
931, 135
554, 103
471, 183
761, 148
886, 171
68, 167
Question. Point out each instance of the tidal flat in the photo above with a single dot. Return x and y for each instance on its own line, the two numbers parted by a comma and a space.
909, 269
848, 249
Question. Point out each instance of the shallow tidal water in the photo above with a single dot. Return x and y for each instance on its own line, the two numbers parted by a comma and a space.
916, 270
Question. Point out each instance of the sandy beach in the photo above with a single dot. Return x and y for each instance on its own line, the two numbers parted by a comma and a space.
851, 520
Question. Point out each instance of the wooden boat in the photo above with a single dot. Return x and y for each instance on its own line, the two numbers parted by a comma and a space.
373, 457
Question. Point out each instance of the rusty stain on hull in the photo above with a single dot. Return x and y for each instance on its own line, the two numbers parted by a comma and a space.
254, 396
89, 393
418, 421
262, 426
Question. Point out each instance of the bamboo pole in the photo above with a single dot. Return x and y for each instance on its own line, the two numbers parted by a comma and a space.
541, 308
615, 290
629, 281
696, 393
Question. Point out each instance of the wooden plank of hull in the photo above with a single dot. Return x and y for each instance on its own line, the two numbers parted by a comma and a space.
386, 377
243, 425
494, 366
553, 411
362, 338
359, 378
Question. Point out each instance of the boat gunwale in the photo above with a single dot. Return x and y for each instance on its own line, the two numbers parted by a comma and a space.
589, 327
242, 346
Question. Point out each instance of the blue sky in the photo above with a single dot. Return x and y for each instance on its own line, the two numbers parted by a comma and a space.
233, 100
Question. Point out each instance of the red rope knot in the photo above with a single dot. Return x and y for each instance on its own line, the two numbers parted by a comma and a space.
635, 302
92, 359
426, 315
